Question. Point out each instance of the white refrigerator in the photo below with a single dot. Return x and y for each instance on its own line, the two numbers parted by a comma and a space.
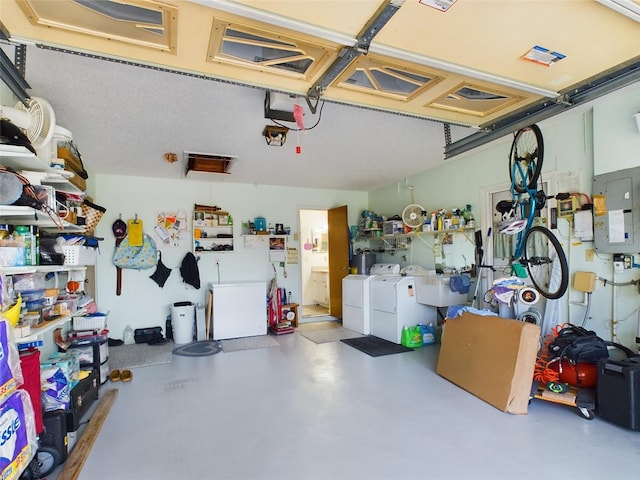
238, 310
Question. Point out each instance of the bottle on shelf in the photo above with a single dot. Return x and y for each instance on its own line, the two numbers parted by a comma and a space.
468, 217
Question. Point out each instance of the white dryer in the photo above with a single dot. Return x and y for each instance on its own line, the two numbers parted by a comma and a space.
394, 306
355, 297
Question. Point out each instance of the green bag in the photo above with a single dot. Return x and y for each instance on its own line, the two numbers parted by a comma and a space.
412, 336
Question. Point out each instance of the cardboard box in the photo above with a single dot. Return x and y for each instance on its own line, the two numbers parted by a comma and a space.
491, 357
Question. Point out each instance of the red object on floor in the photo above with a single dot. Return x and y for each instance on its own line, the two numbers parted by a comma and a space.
580, 374
30, 364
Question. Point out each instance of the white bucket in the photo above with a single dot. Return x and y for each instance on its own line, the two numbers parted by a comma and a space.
506, 310
182, 322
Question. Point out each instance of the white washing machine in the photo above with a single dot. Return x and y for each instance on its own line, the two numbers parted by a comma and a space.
394, 305
355, 297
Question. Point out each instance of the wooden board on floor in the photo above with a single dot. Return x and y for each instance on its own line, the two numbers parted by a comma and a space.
208, 315
79, 454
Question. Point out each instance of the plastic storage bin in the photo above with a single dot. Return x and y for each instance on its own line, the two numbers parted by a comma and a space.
93, 321
182, 322
79, 255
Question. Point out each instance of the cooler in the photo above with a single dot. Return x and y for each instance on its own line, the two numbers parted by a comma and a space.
619, 391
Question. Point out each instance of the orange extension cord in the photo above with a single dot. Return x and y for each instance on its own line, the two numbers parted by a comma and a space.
542, 371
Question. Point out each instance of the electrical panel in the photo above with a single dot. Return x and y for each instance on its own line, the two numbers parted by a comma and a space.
616, 211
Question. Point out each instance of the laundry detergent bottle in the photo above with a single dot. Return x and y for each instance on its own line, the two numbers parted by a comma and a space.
428, 333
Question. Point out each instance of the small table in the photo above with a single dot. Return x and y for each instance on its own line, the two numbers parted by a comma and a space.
292, 307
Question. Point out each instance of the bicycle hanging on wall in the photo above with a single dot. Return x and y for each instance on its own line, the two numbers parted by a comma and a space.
538, 252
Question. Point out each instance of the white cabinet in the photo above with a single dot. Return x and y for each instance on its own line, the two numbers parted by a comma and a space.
320, 288
239, 309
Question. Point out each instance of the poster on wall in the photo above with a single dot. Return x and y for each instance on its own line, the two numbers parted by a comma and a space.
277, 249
171, 228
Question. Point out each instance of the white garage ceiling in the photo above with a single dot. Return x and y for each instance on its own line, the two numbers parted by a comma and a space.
423, 78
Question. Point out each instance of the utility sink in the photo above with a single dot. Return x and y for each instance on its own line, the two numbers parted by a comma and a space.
435, 290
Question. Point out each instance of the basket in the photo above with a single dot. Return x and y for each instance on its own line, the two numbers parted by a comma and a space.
94, 321
79, 255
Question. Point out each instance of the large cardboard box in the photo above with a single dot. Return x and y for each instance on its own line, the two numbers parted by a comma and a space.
491, 357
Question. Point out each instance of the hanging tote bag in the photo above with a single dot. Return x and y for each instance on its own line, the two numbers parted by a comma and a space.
92, 214
137, 258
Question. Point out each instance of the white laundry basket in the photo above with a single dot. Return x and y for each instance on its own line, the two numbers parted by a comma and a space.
182, 322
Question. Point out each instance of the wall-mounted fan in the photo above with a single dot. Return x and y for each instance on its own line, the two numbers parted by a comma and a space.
413, 215
38, 121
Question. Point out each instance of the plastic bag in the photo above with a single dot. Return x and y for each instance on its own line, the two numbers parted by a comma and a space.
10, 370
19, 440
55, 389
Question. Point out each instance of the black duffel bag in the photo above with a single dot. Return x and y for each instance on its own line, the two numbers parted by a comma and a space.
151, 335
578, 345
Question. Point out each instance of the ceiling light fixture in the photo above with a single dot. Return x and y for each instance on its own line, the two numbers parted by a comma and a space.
275, 135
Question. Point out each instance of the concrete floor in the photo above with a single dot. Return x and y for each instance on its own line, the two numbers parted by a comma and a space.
328, 411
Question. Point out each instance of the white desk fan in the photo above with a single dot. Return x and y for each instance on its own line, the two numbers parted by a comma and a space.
37, 120
413, 215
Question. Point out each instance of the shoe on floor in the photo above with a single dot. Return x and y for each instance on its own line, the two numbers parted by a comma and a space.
127, 376
115, 376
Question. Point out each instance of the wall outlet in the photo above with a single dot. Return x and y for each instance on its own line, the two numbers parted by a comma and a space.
618, 262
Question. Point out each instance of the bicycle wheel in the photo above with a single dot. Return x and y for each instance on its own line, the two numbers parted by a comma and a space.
525, 159
546, 262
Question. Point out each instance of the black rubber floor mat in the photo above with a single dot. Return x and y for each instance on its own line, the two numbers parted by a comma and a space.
375, 346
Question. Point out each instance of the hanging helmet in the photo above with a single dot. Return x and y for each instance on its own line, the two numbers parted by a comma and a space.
512, 226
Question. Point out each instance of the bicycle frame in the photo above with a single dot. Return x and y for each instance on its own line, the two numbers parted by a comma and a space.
521, 202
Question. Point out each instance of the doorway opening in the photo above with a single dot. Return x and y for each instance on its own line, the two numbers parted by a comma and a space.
314, 265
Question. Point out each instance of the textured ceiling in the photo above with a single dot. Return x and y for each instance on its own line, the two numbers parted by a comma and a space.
463, 67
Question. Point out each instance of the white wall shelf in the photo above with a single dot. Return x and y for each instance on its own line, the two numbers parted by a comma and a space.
259, 241
46, 327
41, 269
30, 216
20, 158
211, 232
402, 241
